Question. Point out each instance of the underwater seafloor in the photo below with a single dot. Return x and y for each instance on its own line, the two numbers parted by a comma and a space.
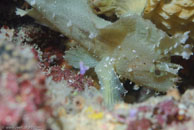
39, 90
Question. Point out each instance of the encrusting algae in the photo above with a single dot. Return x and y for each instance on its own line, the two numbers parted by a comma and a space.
172, 16
130, 48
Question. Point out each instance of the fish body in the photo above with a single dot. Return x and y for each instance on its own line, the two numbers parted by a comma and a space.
131, 48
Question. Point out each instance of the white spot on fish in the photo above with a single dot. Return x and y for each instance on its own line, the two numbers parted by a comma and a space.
134, 51
187, 46
136, 87
105, 65
92, 35
175, 45
107, 58
130, 70
185, 37
185, 55
69, 24
53, 15
147, 91
33, 2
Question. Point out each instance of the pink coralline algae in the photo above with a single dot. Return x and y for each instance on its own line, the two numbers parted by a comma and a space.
74, 80
144, 108
56, 67
166, 112
22, 89
18, 98
49, 53
157, 117
143, 124
22, 101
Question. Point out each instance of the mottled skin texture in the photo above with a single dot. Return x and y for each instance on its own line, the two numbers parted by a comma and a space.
117, 7
131, 47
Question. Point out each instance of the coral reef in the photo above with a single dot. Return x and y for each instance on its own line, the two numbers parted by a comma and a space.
33, 85
50, 54
156, 113
172, 16
22, 86
96, 64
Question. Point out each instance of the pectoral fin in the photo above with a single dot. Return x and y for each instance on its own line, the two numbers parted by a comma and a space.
109, 81
75, 55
